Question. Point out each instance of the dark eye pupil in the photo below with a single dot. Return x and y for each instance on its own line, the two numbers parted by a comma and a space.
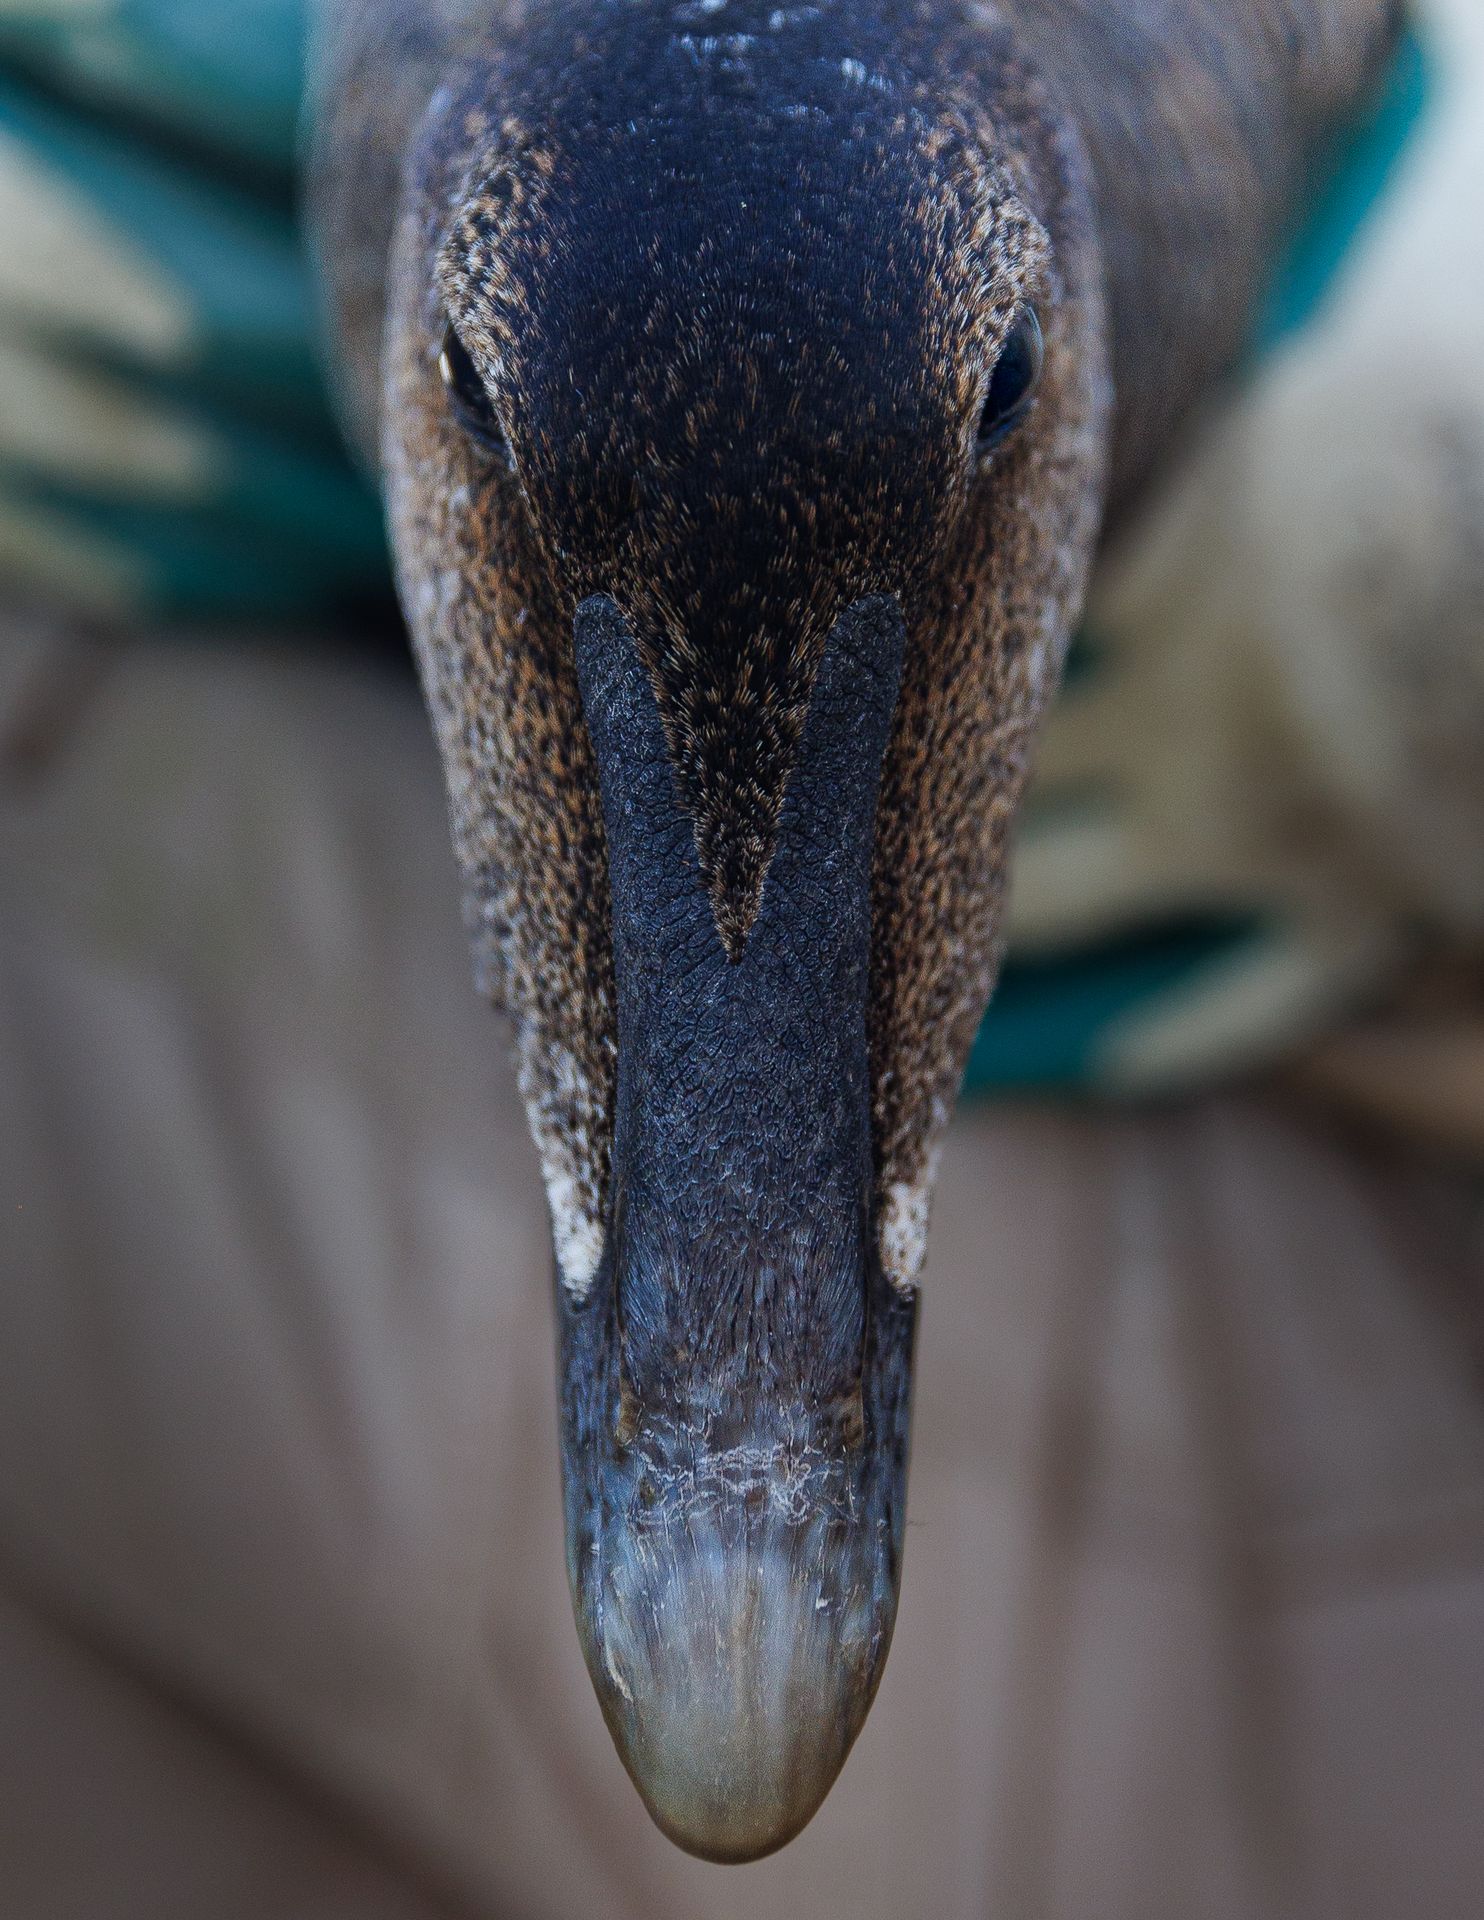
1012, 385
467, 395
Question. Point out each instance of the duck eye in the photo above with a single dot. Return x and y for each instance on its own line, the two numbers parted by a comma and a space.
468, 397
1012, 385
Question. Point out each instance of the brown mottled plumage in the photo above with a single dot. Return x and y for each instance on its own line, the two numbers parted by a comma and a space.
732, 279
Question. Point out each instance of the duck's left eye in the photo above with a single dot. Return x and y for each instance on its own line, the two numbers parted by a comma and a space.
468, 397
1012, 385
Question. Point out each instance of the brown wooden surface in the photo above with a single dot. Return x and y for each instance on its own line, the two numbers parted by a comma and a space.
1193, 1621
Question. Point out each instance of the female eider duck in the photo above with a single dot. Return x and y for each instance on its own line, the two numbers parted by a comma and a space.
750, 382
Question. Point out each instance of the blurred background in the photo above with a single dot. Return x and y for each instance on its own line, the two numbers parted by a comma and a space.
1193, 1617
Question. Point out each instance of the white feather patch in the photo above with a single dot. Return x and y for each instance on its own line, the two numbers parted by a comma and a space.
904, 1226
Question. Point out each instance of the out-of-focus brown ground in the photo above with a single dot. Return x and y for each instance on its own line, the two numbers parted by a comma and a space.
1194, 1610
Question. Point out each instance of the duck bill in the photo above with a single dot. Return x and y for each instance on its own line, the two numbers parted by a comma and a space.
736, 1380
735, 1564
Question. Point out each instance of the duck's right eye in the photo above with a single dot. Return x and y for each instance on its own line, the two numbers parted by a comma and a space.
468, 397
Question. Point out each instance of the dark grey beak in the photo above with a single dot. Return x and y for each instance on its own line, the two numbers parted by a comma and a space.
736, 1382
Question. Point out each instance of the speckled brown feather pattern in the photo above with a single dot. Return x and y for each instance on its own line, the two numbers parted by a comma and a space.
732, 530
1205, 120
1049, 149
372, 68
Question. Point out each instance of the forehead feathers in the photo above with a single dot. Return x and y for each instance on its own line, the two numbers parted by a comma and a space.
735, 296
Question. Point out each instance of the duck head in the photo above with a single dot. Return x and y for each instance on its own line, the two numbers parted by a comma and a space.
744, 431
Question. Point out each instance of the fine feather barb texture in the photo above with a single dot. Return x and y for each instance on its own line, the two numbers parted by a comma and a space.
737, 627
1165, 144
